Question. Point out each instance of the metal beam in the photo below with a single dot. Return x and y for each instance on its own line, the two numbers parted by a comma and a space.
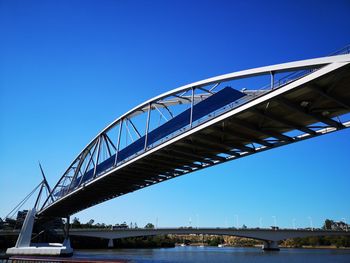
272, 75
265, 132
192, 103
141, 168
106, 142
173, 154
240, 147
214, 87
137, 174
119, 185
110, 141
290, 124
128, 130
126, 179
339, 101
77, 169
147, 125
210, 140
183, 98
213, 140
88, 164
234, 133
130, 177
134, 128
97, 156
178, 150
315, 116
205, 152
118, 143
143, 165
178, 159
205, 90
81, 161
167, 163
161, 114
165, 106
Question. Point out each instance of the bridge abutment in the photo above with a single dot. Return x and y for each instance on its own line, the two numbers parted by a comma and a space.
270, 245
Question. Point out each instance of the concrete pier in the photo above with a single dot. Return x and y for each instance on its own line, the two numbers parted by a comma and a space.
270, 246
46, 249
25, 247
110, 243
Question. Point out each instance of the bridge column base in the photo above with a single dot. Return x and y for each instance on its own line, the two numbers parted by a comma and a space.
270, 246
24, 246
43, 249
110, 243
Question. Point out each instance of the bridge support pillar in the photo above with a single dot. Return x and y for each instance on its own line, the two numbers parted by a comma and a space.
110, 243
25, 247
66, 241
270, 245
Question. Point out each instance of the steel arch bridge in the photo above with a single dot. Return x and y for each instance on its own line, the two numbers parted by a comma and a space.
204, 124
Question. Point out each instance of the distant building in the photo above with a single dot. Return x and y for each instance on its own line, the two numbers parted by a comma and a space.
21, 215
339, 226
9, 223
123, 225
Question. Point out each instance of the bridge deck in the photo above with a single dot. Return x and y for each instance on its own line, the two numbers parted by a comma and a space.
303, 109
255, 233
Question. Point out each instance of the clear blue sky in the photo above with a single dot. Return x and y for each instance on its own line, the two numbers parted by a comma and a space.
69, 68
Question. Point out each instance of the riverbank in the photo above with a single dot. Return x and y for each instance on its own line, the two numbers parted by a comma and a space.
320, 247
260, 245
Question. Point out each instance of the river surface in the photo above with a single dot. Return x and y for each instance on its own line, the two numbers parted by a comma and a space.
215, 254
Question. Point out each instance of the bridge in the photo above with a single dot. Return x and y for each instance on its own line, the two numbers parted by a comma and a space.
270, 237
202, 124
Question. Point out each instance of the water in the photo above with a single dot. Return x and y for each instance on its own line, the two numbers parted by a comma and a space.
214, 254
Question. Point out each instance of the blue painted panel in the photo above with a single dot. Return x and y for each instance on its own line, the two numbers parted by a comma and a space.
201, 109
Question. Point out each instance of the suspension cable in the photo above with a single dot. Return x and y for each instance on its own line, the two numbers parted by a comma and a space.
20, 204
